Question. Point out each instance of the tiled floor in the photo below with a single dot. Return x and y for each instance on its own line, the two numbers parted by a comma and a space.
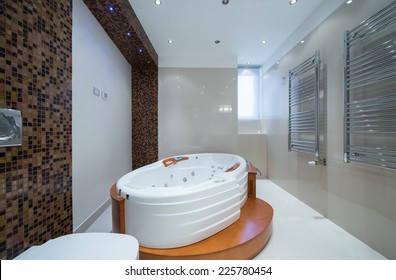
299, 232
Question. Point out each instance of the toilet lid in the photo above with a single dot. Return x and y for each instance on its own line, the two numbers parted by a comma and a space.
85, 246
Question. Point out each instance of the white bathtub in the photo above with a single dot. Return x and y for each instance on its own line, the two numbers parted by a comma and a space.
179, 201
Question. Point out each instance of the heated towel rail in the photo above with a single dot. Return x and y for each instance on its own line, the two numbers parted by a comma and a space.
370, 91
304, 106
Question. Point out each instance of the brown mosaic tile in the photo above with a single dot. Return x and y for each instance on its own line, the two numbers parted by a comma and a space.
144, 115
124, 28
35, 78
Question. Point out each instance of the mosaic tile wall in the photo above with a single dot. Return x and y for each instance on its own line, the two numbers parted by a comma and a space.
123, 27
144, 115
35, 77
121, 24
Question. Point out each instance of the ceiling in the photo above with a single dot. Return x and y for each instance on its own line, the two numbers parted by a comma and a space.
240, 26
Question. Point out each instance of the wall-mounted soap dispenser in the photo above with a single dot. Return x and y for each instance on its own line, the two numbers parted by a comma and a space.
10, 128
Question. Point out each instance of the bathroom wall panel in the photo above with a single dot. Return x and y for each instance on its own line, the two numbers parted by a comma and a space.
102, 120
197, 110
253, 147
359, 199
35, 78
125, 30
250, 126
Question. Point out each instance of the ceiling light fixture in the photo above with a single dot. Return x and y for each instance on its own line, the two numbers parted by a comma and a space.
217, 42
264, 41
158, 2
349, 2
302, 41
225, 2
292, 2
111, 8
170, 41
128, 34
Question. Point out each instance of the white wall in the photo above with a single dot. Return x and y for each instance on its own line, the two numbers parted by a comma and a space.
190, 117
101, 127
359, 199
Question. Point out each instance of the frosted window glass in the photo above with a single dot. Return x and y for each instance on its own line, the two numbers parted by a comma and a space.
248, 93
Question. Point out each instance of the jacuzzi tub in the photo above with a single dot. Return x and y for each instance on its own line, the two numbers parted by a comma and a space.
181, 200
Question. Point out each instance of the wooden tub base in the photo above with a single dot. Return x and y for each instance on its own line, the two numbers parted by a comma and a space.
243, 240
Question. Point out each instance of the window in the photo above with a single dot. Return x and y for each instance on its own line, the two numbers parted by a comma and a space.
248, 92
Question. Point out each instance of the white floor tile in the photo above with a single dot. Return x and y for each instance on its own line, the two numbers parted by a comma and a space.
299, 232
103, 223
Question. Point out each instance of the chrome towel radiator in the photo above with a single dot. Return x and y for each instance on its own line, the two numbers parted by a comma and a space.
370, 91
304, 106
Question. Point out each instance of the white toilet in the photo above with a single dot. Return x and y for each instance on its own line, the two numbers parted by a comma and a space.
85, 246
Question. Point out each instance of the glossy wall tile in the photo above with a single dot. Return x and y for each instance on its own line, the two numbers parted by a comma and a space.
197, 110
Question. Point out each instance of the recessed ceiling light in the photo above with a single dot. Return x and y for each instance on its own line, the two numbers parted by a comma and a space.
225, 2
128, 34
170, 41
217, 42
349, 2
158, 2
264, 41
302, 41
111, 8
292, 2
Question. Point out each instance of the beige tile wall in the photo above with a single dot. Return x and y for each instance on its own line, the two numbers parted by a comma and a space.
197, 110
253, 147
360, 199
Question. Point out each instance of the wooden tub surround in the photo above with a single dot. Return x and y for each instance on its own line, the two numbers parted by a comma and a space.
117, 211
244, 239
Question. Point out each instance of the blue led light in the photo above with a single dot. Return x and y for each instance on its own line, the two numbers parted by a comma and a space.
140, 50
128, 34
111, 8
